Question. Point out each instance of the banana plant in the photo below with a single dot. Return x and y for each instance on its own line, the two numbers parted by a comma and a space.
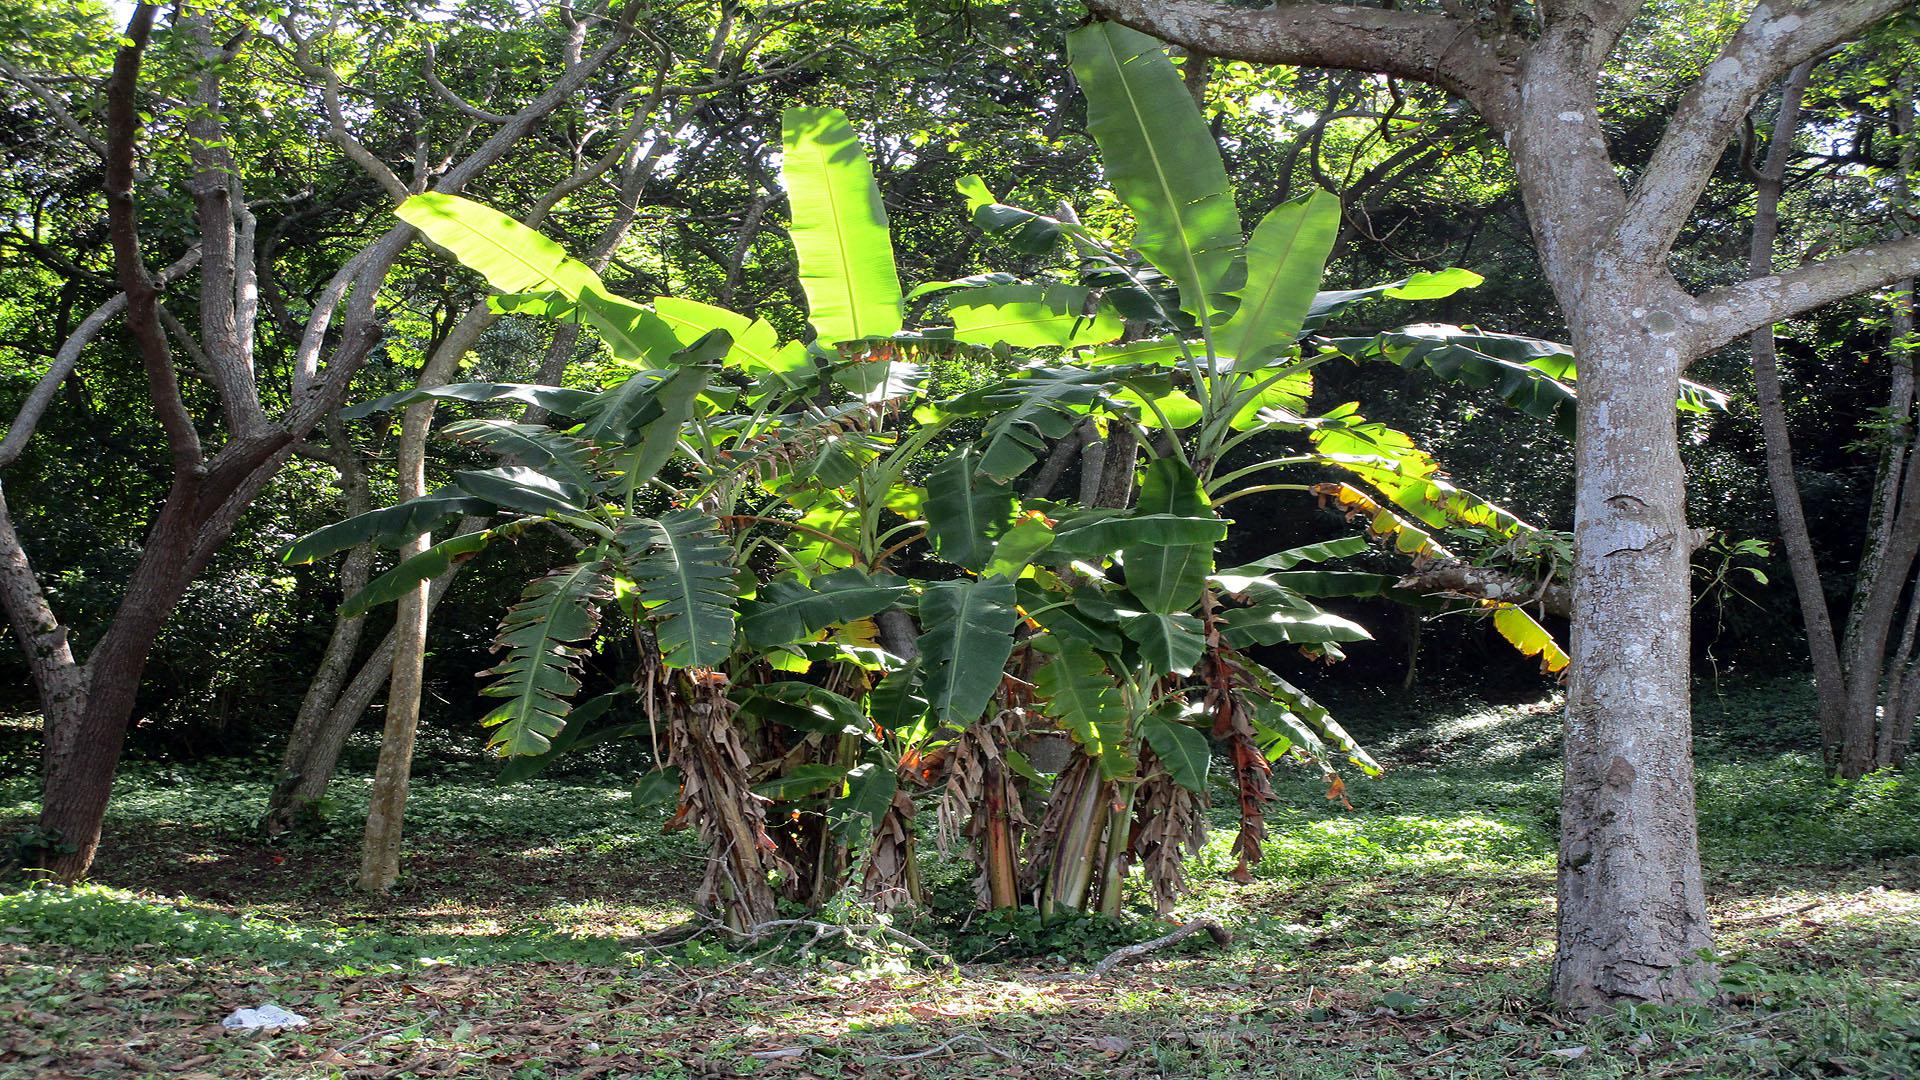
1150, 644
843, 605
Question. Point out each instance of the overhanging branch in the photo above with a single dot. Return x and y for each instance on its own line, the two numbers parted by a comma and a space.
1722, 315
1457, 56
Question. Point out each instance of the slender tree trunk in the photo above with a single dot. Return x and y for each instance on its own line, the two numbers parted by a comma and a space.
1874, 686
315, 769
336, 662
1828, 675
386, 812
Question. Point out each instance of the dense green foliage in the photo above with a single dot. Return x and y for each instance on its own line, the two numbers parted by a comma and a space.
918, 492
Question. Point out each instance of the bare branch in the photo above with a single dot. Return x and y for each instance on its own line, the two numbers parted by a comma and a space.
1423, 47
306, 359
61, 114
329, 81
446, 94
65, 360
1722, 315
1772, 41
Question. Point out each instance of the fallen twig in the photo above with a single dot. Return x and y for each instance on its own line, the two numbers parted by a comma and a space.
947, 1047
850, 932
1220, 935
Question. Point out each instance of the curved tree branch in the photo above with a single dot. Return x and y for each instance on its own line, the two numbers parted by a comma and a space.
64, 361
1772, 41
1722, 315
143, 318
1424, 47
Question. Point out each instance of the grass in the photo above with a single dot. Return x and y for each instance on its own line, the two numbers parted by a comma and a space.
1409, 936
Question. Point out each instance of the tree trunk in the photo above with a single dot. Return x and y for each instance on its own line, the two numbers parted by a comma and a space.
1828, 675
336, 663
386, 811
317, 768
83, 755
1632, 907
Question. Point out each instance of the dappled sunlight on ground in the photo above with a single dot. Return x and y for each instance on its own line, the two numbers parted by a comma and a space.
1408, 936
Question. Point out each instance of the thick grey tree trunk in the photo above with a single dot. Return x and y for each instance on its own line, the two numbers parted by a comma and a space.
1632, 908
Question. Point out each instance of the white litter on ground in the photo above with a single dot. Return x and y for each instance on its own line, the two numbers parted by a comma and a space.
266, 1016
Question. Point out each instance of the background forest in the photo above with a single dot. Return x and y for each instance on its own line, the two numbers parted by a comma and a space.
219, 340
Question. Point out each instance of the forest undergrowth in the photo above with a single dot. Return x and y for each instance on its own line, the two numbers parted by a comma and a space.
1407, 936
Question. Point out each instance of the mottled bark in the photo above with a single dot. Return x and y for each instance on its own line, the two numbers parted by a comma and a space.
1632, 909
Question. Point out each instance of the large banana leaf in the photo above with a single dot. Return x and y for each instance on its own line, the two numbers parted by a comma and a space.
1179, 747
1162, 159
1032, 316
839, 228
1390, 461
1076, 690
413, 570
1277, 625
967, 639
516, 259
1029, 232
555, 399
1169, 577
1323, 551
802, 781
1524, 633
786, 611
386, 527
1091, 623
1019, 546
1095, 534
896, 703
1291, 589
1026, 413
579, 734
540, 635
1285, 258
683, 569
1534, 375
519, 488
562, 457
1407, 538
655, 397
804, 706
1426, 285
1282, 399
971, 281
756, 347
965, 511
1283, 705
870, 789
512, 257
1170, 644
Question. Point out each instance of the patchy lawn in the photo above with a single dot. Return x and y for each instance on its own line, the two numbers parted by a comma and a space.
1408, 937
